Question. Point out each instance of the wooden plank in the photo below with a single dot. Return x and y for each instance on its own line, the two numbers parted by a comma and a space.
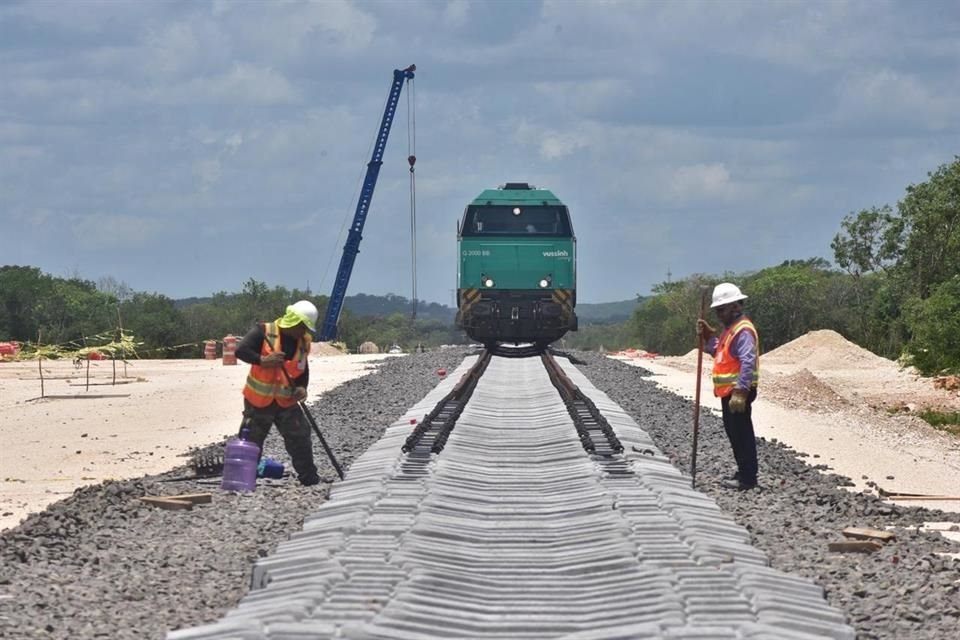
860, 546
168, 503
194, 498
866, 533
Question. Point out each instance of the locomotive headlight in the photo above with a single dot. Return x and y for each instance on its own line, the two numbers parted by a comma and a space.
544, 283
516, 211
488, 283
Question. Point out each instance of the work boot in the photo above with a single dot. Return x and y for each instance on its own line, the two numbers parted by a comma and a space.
310, 480
739, 485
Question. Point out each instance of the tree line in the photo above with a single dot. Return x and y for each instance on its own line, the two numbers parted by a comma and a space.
895, 289
74, 314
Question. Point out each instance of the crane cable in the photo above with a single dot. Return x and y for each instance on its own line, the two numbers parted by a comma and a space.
412, 159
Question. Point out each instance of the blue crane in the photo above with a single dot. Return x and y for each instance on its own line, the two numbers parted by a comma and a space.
352, 247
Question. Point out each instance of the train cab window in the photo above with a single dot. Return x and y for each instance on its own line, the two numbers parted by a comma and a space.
505, 220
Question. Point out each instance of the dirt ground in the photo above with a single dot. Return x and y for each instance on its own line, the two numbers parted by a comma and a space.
844, 407
145, 423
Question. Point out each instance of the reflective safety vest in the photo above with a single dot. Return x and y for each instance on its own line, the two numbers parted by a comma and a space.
726, 366
265, 385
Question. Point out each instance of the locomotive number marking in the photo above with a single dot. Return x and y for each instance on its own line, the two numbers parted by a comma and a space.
476, 252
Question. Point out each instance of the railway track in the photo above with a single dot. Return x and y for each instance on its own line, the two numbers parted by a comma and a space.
523, 504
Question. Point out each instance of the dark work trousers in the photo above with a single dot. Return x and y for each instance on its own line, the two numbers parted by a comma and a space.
295, 431
739, 428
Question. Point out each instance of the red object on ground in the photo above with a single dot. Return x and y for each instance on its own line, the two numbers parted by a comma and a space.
95, 355
441, 372
9, 348
210, 350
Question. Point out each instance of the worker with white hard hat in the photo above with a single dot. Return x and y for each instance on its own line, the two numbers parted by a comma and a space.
736, 372
279, 373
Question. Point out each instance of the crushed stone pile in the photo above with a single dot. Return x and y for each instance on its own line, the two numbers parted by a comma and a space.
803, 390
325, 349
826, 350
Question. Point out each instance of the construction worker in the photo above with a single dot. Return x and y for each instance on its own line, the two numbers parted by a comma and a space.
736, 371
279, 373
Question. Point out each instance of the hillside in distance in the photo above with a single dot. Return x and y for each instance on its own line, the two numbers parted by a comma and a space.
364, 305
606, 312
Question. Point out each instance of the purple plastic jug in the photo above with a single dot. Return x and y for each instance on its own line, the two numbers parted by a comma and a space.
240, 458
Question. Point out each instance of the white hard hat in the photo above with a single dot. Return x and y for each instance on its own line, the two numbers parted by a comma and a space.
725, 293
307, 313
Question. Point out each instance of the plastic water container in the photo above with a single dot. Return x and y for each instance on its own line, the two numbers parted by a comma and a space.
240, 458
269, 468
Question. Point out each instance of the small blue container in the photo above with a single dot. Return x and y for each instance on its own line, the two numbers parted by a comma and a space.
269, 468
240, 458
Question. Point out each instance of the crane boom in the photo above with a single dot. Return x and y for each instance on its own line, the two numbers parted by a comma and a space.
352, 247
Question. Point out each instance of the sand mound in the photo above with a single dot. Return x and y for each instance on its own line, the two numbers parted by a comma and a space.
369, 347
825, 350
802, 390
325, 349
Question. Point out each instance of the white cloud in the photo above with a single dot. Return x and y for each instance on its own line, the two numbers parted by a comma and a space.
177, 48
554, 146
587, 96
208, 171
889, 97
455, 13
701, 182
242, 84
292, 29
110, 231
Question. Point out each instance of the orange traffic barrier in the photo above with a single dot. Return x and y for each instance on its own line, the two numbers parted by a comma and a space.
230, 349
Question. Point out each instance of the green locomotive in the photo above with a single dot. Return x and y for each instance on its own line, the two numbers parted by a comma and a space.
517, 272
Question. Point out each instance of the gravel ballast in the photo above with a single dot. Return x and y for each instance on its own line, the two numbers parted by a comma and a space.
101, 564
905, 590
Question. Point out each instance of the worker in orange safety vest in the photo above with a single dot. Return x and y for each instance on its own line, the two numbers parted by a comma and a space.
279, 373
736, 373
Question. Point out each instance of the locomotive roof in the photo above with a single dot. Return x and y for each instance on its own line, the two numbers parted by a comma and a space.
517, 196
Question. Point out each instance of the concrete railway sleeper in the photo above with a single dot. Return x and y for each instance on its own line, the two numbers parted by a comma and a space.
514, 531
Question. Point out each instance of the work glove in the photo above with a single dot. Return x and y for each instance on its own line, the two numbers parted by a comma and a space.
738, 401
299, 394
704, 330
272, 360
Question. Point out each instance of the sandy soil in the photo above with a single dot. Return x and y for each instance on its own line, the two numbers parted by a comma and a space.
844, 407
146, 423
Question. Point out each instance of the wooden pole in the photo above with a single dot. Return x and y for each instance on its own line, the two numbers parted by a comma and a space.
88, 364
696, 395
40, 362
120, 324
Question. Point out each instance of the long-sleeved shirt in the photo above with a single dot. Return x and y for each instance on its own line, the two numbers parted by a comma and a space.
744, 349
249, 348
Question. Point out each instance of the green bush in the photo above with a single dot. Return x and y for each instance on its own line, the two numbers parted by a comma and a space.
935, 326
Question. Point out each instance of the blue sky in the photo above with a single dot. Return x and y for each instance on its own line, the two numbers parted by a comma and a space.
184, 147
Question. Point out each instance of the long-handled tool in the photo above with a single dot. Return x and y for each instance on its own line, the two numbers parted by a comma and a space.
696, 395
316, 429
